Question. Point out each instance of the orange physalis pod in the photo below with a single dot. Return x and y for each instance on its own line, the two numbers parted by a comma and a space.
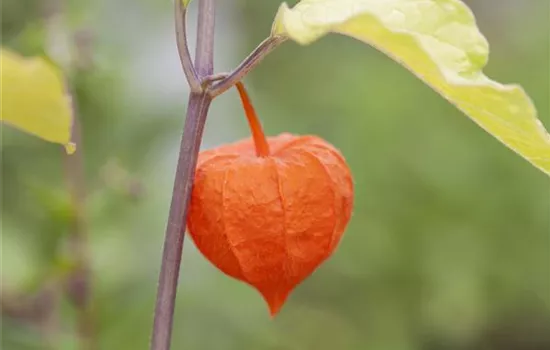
269, 211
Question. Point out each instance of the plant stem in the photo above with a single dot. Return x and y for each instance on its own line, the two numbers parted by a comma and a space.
262, 147
204, 56
78, 283
183, 49
249, 63
197, 111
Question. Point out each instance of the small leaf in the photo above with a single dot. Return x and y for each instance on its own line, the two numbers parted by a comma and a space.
186, 2
439, 42
34, 99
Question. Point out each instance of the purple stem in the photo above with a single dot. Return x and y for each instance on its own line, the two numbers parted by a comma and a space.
197, 111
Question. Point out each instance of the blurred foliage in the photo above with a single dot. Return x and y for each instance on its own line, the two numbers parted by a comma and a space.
449, 244
34, 98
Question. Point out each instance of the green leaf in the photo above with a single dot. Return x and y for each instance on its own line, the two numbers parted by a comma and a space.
185, 2
34, 99
439, 42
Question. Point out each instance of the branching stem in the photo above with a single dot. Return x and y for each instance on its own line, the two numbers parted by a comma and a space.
205, 85
197, 110
249, 63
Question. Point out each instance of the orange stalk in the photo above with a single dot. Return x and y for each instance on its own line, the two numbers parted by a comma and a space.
262, 147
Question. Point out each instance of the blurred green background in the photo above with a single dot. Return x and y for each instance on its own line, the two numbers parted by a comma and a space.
449, 245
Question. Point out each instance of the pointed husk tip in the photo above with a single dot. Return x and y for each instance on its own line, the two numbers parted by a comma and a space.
275, 300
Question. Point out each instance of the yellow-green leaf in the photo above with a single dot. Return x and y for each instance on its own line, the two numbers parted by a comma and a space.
33, 98
439, 42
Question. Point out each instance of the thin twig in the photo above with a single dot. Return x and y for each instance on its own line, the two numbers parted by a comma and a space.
180, 11
78, 281
78, 284
197, 111
246, 65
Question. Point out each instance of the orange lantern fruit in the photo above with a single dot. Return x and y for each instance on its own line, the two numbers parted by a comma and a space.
269, 211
